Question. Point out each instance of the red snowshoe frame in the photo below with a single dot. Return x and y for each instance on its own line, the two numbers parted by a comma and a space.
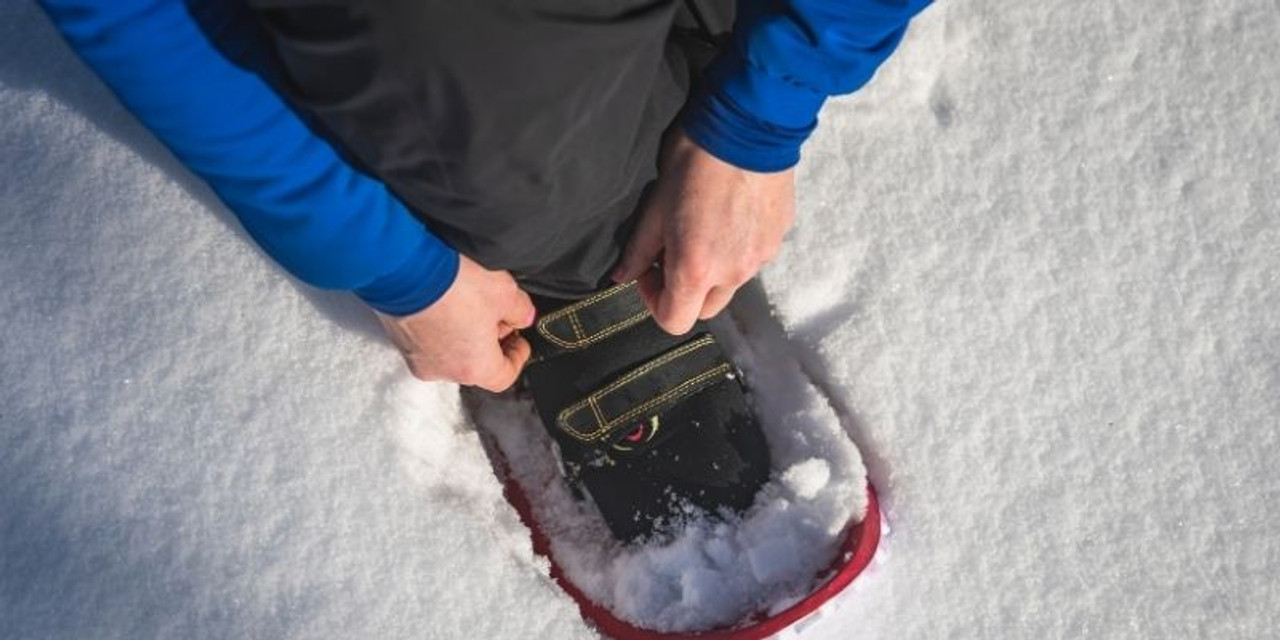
856, 553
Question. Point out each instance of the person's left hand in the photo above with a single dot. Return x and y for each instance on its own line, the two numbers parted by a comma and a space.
711, 225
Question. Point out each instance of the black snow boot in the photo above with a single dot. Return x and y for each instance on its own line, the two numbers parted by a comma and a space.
647, 423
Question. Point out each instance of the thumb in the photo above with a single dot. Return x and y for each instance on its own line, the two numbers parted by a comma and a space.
520, 312
643, 247
515, 353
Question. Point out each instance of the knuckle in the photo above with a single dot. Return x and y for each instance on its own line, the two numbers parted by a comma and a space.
694, 272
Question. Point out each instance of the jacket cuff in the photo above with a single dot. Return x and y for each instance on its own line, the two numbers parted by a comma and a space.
417, 283
749, 118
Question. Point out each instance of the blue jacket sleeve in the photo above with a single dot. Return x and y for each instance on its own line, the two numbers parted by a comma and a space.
322, 220
763, 93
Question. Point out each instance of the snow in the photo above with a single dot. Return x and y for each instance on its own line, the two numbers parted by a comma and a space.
807, 478
1036, 266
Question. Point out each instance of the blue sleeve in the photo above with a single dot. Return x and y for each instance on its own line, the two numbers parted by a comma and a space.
322, 220
787, 57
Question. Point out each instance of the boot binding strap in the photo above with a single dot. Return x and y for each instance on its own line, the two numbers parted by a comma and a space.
593, 319
609, 412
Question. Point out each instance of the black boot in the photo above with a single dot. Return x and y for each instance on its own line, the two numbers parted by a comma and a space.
646, 422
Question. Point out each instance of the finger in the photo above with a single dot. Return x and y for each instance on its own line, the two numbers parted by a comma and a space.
642, 248
717, 299
519, 313
650, 287
516, 350
679, 303
515, 353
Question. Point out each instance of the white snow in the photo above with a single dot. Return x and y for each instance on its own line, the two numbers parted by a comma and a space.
1036, 264
807, 478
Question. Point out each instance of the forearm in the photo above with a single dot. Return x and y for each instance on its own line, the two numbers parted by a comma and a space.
322, 220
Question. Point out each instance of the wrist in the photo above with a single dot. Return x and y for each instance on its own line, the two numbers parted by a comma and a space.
416, 284
749, 118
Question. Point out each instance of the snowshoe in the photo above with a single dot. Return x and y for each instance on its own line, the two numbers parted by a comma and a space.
721, 505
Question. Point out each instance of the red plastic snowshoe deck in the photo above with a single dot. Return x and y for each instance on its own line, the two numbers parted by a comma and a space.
855, 555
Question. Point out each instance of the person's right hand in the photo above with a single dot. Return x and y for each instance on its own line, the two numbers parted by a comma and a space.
469, 335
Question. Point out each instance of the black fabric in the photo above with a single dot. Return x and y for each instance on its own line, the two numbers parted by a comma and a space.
523, 132
717, 463
559, 381
573, 326
607, 414
700, 446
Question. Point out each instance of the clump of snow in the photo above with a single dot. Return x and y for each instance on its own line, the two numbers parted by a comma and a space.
805, 479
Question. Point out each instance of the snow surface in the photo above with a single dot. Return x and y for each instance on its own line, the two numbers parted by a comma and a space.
1037, 264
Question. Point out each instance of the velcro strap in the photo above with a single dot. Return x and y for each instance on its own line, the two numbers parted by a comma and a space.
611, 411
593, 319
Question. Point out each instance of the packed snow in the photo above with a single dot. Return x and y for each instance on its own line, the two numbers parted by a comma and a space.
1036, 268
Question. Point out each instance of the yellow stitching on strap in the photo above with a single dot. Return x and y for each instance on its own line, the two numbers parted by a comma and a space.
676, 392
545, 328
595, 408
591, 401
586, 302
576, 323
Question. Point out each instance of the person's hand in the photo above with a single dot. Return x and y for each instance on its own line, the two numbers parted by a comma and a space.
469, 335
711, 226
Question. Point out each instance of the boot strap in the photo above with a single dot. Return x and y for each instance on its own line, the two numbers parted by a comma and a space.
589, 321
610, 412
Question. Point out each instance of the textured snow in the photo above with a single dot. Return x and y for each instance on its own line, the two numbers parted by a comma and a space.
1037, 264
807, 478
